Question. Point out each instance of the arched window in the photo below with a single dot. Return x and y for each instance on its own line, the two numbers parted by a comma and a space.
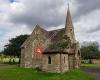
71, 29
78, 53
64, 59
49, 60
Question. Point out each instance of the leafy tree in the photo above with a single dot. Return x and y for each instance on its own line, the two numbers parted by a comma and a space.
13, 47
90, 50
1, 52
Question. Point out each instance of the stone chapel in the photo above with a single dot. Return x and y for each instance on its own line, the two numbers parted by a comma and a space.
53, 51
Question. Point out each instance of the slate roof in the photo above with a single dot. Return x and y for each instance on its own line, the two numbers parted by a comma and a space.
31, 37
49, 34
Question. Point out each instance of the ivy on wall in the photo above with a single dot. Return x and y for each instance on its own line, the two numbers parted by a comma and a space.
61, 43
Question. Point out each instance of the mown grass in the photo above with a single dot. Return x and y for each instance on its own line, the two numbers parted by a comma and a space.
30, 74
91, 65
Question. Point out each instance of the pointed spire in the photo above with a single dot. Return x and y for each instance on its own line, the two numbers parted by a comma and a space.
69, 29
68, 19
68, 5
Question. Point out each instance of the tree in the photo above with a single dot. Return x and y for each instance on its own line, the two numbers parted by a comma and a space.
90, 50
13, 47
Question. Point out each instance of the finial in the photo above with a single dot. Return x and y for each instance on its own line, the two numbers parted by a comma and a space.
69, 1
68, 5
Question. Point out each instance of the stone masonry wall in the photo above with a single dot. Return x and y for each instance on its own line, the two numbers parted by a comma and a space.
57, 63
26, 56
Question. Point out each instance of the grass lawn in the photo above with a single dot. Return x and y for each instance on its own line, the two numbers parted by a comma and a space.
30, 74
91, 65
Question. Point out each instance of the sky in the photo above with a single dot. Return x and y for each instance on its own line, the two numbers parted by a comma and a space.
20, 17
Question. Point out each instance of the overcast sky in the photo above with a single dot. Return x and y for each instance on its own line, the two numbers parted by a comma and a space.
20, 16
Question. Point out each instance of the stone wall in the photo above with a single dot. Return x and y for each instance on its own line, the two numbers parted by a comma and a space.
58, 64
65, 62
78, 56
26, 56
72, 61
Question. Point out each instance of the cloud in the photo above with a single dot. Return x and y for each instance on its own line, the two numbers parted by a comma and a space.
10, 32
45, 13
87, 6
20, 16
88, 27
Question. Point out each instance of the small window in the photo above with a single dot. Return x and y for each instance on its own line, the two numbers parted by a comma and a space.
70, 29
78, 53
49, 60
64, 59
22, 47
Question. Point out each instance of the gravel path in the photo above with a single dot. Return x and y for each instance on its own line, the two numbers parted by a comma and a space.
93, 71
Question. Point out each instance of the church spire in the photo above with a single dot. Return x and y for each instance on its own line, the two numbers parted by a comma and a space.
68, 19
69, 29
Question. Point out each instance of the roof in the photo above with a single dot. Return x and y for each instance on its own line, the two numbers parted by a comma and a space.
31, 37
55, 52
67, 51
49, 34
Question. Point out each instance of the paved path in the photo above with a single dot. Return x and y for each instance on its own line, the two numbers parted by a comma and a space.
6, 66
93, 71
